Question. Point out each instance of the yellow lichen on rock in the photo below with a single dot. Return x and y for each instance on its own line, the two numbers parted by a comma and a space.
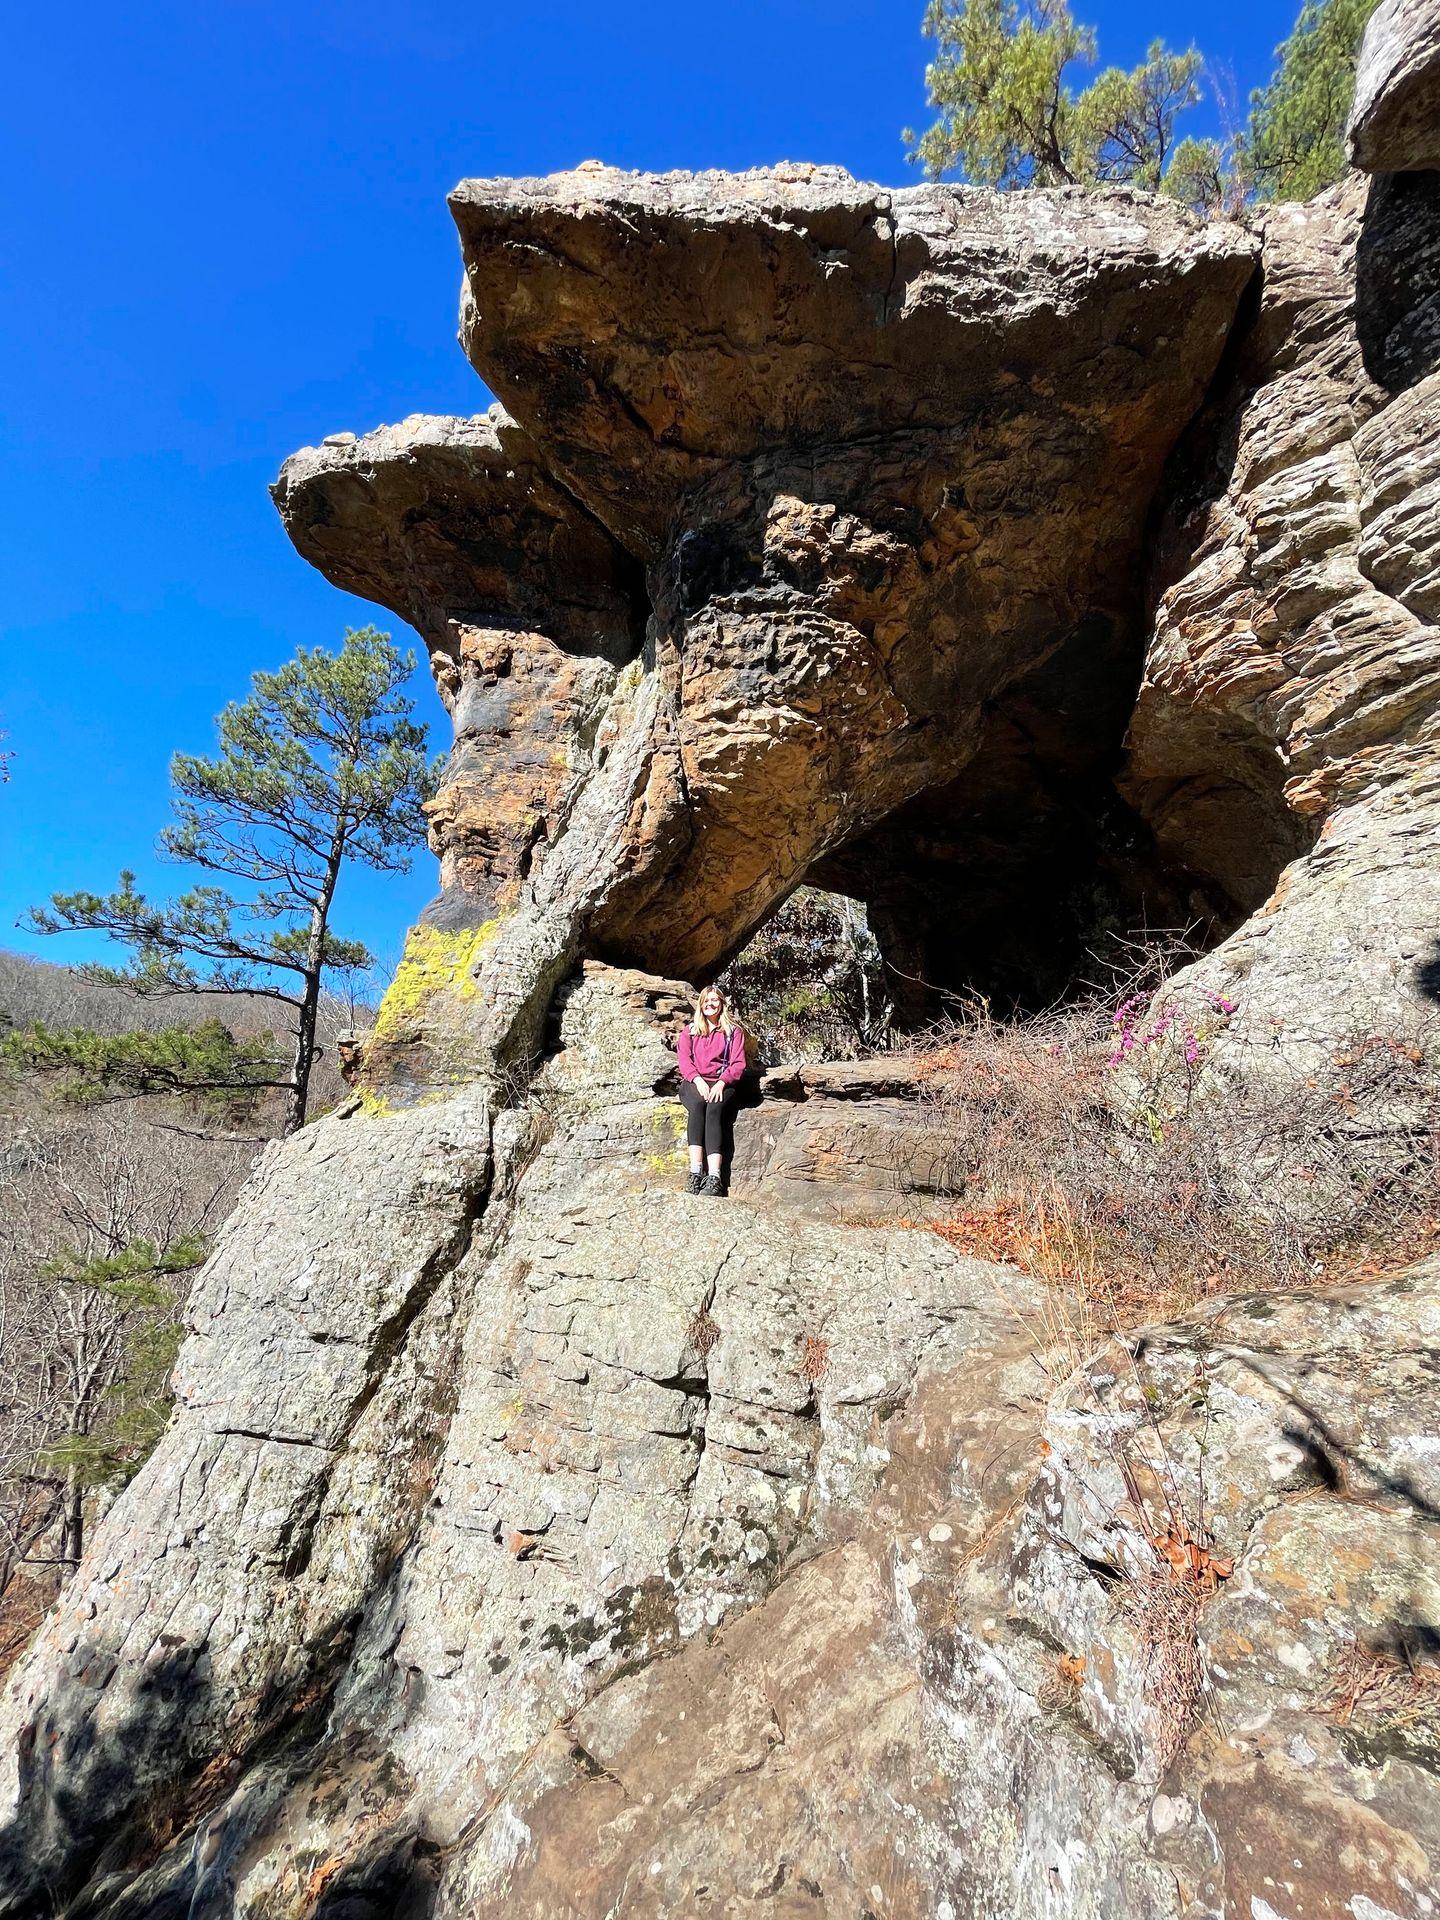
434, 961
667, 1119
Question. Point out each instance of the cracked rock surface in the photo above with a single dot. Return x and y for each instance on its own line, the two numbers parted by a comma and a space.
690, 1556
534, 1538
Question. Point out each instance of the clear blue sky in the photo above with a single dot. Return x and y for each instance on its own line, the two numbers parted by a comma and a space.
225, 236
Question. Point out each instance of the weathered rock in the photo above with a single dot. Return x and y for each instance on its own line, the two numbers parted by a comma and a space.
1289, 720
1395, 120
889, 457
651, 329
980, 1703
221, 1592
528, 610
848, 1140
532, 1536
725, 1557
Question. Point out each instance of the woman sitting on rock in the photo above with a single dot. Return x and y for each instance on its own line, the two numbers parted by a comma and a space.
712, 1061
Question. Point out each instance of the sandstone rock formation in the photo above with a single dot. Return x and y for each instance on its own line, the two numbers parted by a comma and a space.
1395, 119
1285, 744
532, 1538
527, 607
886, 459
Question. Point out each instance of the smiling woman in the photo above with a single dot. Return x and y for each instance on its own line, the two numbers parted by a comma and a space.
711, 1050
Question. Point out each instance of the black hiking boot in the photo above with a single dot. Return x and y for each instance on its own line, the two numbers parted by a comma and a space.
712, 1187
695, 1183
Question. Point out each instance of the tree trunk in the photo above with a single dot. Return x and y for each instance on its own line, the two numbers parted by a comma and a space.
310, 996
72, 1526
304, 1049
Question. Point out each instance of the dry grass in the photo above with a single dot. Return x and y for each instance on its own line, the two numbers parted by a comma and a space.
814, 1358
1087, 1147
703, 1331
1165, 1614
1381, 1685
1059, 1690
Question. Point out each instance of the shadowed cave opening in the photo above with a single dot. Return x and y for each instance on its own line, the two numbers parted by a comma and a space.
1022, 883
1032, 876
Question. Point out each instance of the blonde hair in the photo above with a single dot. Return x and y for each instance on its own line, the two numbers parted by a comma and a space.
697, 1019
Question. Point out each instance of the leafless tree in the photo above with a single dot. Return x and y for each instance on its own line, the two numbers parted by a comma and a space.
76, 1189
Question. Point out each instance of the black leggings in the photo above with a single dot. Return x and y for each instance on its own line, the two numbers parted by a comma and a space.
706, 1117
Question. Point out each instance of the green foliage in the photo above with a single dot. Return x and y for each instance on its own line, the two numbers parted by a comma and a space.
1296, 142
997, 80
1124, 123
205, 1060
321, 764
809, 985
325, 746
116, 1425
1009, 116
1200, 178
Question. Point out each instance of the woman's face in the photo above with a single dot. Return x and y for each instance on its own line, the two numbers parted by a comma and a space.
712, 1003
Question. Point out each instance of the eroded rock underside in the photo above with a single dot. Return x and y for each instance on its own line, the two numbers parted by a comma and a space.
533, 1538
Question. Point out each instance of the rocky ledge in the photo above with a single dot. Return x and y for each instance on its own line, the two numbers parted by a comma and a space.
531, 1537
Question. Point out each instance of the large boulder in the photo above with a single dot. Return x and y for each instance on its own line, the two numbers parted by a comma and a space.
888, 456
1395, 119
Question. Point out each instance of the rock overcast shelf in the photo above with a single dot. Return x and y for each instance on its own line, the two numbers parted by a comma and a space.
527, 1541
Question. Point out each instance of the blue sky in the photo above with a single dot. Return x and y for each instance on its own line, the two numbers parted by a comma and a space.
225, 236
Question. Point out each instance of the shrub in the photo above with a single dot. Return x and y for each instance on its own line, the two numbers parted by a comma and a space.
1087, 1144
809, 986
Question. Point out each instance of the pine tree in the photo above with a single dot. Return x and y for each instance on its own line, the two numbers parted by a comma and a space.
1009, 116
1296, 143
205, 1061
321, 765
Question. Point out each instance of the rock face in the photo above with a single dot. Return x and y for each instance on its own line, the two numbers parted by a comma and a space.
1395, 121
534, 1538
886, 460
607, 1550
527, 607
1288, 724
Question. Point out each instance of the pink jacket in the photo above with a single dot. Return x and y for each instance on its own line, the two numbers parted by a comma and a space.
707, 1056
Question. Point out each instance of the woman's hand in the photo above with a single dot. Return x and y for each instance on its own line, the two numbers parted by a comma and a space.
703, 1087
716, 1093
